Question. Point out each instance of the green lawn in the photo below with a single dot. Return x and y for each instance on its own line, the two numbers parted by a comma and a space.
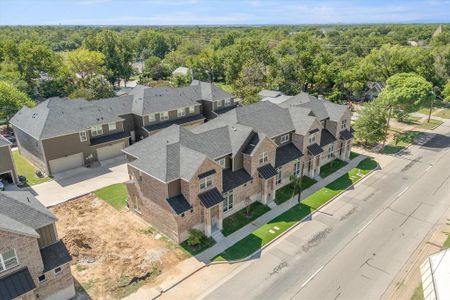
240, 218
285, 193
353, 155
25, 168
404, 140
266, 233
418, 293
115, 195
206, 243
432, 125
331, 167
444, 113
446, 243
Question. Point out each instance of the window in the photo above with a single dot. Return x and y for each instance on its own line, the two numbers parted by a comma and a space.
206, 182
312, 138
8, 260
218, 103
83, 136
263, 157
297, 168
112, 126
42, 278
227, 102
96, 130
331, 151
285, 138
57, 270
181, 112
344, 124
228, 202
151, 118
191, 109
164, 116
278, 178
221, 162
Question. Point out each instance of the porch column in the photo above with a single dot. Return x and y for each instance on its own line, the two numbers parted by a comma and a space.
207, 222
220, 216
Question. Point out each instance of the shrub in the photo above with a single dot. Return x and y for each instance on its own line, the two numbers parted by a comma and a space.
195, 237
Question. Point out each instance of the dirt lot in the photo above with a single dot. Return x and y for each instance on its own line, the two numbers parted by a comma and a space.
114, 252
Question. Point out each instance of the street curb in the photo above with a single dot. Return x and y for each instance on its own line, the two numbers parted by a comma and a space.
211, 263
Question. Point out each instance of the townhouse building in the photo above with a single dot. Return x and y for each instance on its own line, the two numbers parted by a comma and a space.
8, 171
60, 134
182, 178
34, 263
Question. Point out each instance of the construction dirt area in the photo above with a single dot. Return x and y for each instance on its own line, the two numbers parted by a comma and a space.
114, 252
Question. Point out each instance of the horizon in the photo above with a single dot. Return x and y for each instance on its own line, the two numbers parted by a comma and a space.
181, 13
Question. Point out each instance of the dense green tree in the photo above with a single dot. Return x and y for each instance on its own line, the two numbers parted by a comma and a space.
96, 88
85, 64
370, 125
12, 100
154, 68
446, 92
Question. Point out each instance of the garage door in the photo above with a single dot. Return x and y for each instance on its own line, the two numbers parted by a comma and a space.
110, 151
66, 163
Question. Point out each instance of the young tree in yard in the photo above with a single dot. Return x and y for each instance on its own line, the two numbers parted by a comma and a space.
12, 100
405, 91
296, 184
370, 126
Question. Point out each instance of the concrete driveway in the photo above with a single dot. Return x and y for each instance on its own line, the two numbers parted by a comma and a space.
73, 183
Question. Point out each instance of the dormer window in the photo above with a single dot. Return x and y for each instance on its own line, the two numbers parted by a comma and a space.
263, 157
164, 116
181, 112
112, 126
8, 260
192, 109
312, 138
344, 124
83, 136
284, 138
206, 182
221, 162
96, 130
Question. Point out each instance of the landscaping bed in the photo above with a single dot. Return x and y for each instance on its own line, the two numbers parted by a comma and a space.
206, 243
266, 233
25, 168
433, 124
114, 252
285, 193
115, 195
240, 218
331, 167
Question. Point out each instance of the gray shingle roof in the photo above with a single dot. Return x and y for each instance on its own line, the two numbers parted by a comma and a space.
210, 92
57, 116
4, 142
22, 213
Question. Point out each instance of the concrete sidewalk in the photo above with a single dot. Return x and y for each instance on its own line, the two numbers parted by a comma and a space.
233, 238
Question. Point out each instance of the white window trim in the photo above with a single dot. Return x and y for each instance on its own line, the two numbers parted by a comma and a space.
83, 136
96, 130
3, 261
164, 116
151, 118
284, 138
181, 112
219, 103
263, 157
226, 202
112, 126
222, 162
207, 182
297, 168
227, 102
312, 138
192, 109
44, 280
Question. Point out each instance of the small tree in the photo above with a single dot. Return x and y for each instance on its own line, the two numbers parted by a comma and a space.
297, 185
370, 126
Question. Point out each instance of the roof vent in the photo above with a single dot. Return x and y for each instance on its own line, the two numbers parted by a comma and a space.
234, 128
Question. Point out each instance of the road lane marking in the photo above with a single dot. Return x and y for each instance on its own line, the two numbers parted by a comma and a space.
312, 276
429, 167
365, 226
402, 192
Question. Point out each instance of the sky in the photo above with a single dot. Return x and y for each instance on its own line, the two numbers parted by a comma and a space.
224, 12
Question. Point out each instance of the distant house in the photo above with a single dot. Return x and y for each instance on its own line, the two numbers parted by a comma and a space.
8, 171
34, 263
60, 134
183, 71
373, 89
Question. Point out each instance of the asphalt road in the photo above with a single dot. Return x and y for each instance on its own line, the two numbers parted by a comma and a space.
356, 246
